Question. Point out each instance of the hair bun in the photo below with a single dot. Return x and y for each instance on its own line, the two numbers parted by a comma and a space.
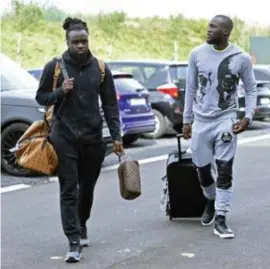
67, 23
73, 21
74, 24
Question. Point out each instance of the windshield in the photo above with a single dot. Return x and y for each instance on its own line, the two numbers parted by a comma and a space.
13, 77
262, 74
178, 72
127, 85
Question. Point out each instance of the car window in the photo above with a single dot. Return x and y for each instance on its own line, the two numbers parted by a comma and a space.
15, 77
262, 74
36, 73
149, 75
134, 70
149, 71
159, 77
5, 84
178, 72
127, 85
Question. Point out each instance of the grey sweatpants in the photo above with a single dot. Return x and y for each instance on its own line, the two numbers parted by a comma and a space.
214, 141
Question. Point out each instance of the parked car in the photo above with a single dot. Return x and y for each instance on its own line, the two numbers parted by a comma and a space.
165, 81
36, 72
262, 75
19, 110
135, 110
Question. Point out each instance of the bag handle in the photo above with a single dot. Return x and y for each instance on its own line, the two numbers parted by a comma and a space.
122, 157
179, 136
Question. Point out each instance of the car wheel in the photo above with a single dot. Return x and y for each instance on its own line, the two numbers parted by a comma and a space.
10, 136
129, 139
160, 126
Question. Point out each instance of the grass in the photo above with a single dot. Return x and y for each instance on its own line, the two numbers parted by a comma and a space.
128, 38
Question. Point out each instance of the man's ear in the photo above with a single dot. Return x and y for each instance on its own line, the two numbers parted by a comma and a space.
226, 31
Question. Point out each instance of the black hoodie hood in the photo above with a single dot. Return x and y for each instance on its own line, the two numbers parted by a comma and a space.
71, 60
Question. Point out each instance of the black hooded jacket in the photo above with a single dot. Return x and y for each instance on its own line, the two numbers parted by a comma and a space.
79, 118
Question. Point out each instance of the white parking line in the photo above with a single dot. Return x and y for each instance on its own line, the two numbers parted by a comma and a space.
253, 139
164, 157
143, 161
14, 188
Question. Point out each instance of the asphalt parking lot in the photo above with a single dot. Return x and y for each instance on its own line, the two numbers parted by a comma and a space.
136, 234
140, 150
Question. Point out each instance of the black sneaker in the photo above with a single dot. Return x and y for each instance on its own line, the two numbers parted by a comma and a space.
221, 229
85, 242
75, 252
208, 215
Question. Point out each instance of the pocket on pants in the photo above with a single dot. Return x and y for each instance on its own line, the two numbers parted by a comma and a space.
201, 143
194, 137
226, 140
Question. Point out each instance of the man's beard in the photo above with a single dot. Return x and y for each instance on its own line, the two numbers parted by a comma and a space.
79, 57
212, 42
215, 41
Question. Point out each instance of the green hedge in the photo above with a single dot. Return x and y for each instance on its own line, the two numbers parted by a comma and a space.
44, 38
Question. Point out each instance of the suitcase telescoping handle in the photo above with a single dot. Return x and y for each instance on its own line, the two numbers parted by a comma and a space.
179, 136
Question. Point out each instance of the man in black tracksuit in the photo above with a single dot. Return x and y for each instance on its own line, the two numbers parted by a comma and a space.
77, 131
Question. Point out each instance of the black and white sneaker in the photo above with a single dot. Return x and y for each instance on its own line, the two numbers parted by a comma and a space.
208, 215
85, 242
221, 228
75, 252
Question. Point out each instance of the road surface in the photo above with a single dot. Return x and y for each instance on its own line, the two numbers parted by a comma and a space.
142, 149
136, 234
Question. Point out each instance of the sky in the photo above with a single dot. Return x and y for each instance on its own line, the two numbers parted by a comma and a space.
255, 12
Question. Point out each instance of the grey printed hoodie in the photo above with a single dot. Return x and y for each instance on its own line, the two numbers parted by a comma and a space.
211, 88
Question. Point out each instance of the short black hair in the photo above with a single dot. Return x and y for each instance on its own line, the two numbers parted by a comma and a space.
71, 24
228, 23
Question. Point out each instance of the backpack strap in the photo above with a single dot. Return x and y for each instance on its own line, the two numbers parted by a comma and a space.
101, 65
59, 67
56, 74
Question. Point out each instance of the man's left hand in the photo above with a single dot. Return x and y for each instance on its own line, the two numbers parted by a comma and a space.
240, 126
118, 147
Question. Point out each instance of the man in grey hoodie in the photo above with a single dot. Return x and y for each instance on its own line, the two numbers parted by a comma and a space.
211, 102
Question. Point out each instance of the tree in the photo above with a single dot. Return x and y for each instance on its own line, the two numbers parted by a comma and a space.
26, 15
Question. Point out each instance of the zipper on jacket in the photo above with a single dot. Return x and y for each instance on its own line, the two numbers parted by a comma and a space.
81, 70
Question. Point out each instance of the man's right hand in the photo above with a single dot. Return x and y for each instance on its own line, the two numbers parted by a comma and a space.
68, 85
186, 130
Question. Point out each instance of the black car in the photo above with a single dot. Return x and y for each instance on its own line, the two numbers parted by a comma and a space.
165, 81
262, 75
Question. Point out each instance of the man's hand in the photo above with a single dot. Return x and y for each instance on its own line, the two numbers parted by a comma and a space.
68, 85
240, 126
118, 147
186, 130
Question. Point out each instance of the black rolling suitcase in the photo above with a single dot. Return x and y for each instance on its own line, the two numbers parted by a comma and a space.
185, 196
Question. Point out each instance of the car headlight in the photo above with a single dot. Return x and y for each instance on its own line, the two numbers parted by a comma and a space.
41, 110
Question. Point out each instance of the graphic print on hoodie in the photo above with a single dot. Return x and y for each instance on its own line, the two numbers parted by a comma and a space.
213, 76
